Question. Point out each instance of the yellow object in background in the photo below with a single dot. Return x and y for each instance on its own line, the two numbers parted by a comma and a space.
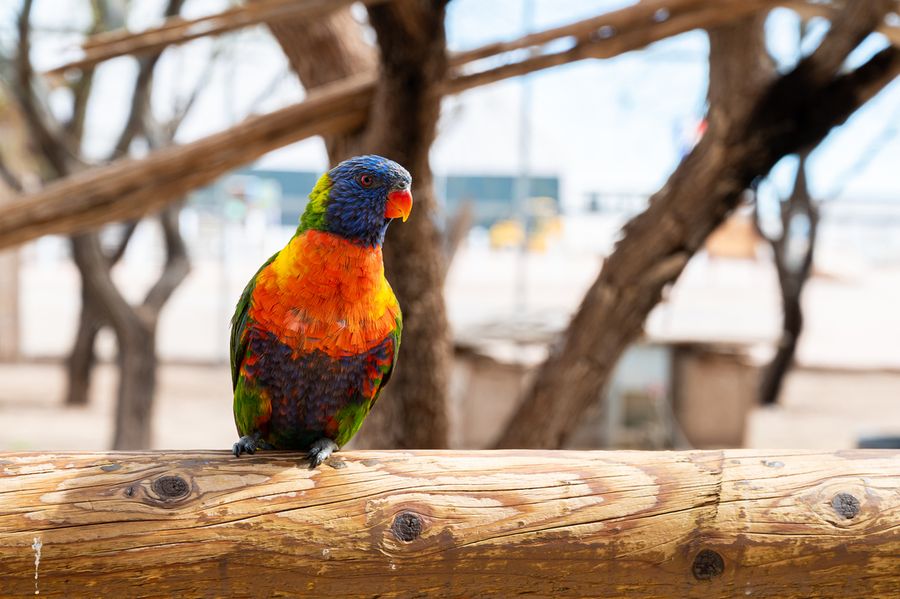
506, 234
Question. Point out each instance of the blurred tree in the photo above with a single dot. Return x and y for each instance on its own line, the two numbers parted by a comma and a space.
58, 146
752, 125
793, 247
401, 125
395, 115
11, 145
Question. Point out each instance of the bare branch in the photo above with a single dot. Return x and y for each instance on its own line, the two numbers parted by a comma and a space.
457, 229
122, 243
179, 31
81, 92
140, 97
44, 130
267, 91
177, 265
646, 12
8, 177
634, 30
849, 27
140, 104
81, 89
183, 107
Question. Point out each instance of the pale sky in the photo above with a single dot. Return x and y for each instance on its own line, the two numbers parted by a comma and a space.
613, 125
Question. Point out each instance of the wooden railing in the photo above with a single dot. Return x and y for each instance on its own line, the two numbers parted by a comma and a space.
445, 523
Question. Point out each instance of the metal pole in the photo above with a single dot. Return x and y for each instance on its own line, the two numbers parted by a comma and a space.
524, 174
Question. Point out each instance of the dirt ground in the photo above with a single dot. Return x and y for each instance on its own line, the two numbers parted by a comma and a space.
193, 409
821, 410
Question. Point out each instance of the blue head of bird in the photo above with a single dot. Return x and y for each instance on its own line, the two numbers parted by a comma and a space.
359, 198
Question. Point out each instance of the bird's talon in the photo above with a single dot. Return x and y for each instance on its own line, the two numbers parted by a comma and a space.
246, 444
320, 451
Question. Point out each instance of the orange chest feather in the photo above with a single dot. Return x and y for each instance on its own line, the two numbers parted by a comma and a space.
323, 292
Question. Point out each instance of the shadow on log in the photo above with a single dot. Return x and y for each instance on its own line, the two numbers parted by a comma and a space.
464, 524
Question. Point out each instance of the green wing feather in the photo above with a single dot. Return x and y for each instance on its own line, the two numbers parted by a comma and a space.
239, 325
398, 330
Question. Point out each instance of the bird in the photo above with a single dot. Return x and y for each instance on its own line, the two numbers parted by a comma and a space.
316, 332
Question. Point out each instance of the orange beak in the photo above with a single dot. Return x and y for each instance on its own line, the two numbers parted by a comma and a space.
399, 204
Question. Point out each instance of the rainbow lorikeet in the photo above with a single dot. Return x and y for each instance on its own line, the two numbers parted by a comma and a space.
317, 330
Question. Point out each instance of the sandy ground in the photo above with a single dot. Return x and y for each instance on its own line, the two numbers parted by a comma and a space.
193, 409
827, 410
820, 410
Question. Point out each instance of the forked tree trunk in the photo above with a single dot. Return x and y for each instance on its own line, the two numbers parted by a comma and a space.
91, 320
134, 326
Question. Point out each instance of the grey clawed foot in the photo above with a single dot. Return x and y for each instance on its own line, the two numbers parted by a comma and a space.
320, 451
248, 444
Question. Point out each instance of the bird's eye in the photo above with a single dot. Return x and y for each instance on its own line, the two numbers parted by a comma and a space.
366, 180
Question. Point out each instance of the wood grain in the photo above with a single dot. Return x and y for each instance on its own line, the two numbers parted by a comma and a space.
456, 524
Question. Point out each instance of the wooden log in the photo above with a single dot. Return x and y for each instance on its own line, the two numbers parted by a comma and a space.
706, 524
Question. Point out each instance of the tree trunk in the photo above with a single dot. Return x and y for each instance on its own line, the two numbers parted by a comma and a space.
795, 112
402, 126
792, 279
91, 320
135, 329
775, 372
137, 383
82, 358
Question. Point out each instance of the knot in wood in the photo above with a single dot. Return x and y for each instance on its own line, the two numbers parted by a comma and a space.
707, 565
846, 505
407, 526
171, 487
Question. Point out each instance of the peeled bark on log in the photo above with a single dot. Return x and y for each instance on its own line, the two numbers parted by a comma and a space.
713, 524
